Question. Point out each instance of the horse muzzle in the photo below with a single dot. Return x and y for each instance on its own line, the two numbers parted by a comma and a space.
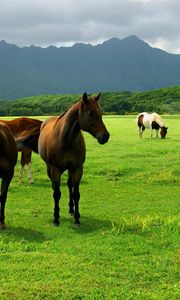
103, 138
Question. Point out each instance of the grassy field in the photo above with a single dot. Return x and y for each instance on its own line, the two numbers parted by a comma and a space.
127, 244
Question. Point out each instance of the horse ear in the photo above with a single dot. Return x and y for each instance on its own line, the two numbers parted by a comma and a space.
85, 98
98, 96
166, 127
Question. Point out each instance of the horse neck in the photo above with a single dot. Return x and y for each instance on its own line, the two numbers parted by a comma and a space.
159, 121
71, 126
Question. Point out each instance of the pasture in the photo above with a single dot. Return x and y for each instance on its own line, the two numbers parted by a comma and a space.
127, 244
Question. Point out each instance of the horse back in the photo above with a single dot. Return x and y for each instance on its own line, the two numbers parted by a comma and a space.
21, 124
149, 120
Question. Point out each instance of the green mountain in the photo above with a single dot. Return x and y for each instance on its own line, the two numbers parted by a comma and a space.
127, 64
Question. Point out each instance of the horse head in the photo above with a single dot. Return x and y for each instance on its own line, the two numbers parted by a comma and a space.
163, 131
90, 118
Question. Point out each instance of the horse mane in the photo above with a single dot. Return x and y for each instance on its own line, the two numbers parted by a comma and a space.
63, 113
158, 119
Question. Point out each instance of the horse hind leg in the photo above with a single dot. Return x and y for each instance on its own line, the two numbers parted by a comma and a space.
29, 173
140, 132
27, 157
4, 190
2, 212
26, 154
21, 167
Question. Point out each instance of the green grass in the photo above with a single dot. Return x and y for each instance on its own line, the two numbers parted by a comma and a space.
127, 244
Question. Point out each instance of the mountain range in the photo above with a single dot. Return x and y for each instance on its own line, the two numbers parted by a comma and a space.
128, 64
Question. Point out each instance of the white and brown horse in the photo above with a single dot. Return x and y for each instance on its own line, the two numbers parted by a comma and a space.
151, 121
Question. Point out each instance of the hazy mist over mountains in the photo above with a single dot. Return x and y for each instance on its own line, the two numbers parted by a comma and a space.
115, 65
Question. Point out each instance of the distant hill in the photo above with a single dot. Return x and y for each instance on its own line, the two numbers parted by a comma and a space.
127, 64
166, 100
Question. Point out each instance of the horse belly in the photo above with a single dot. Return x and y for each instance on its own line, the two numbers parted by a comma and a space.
67, 161
146, 123
70, 157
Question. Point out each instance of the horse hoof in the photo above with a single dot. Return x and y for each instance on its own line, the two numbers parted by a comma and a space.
77, 225
56, 224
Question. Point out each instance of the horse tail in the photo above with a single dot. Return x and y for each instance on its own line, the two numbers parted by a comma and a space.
28, 141
137, 118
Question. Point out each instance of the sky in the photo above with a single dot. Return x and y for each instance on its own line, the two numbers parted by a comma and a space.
65, 22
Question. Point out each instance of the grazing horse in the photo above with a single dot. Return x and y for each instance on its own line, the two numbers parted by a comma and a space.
61, 145
151, 121
17, 127
8, 159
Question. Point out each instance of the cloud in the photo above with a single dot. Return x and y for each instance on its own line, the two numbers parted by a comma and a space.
60, 22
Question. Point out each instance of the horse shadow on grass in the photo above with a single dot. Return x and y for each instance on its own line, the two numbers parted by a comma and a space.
88, 224
91, 224
26, 234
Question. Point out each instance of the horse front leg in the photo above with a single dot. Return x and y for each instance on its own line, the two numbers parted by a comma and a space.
76, 201
4, 190
71, 200
54, 175
157, 130
56, 196
151, 132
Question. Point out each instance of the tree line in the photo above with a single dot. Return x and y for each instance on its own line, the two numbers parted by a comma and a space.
165, 100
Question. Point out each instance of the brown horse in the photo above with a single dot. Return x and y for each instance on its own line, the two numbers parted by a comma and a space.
8, 158
62, 147
17, 127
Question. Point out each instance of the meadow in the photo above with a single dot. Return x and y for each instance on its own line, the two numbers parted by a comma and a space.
127, 246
